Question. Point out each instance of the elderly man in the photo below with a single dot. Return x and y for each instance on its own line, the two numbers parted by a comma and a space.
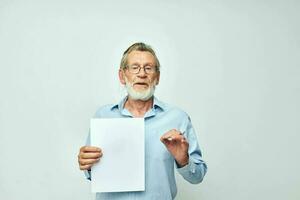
170, 139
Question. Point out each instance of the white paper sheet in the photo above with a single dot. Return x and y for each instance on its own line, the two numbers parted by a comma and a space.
122, 167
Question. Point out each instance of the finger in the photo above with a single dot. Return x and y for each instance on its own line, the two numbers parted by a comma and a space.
170, 141
90, 149
169, 134
183, 139
88, 161
85, 167
178, 137
91, 155
174, 138
166, 141
178, 140
184, 142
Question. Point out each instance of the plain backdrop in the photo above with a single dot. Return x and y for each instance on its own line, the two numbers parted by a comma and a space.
234, 66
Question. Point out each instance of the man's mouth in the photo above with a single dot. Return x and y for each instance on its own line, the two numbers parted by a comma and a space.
141, 83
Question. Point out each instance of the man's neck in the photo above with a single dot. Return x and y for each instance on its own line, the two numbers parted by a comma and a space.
138, 108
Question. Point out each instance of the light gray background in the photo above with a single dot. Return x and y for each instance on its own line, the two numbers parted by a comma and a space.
232, 65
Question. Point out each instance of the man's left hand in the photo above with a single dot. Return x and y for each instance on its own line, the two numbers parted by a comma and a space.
177, 145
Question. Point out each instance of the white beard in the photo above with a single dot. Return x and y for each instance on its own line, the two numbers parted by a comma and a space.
139, 95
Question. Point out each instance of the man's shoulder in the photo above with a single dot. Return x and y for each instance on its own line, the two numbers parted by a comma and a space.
104, 110
174, 110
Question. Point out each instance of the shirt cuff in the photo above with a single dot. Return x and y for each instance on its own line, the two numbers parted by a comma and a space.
188, 168
87, 174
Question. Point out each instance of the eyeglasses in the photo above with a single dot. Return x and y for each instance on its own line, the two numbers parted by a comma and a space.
135, 69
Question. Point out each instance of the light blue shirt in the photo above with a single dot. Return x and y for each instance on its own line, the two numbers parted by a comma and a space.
159, 163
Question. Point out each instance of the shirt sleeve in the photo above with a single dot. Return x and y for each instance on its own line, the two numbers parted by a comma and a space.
196, 169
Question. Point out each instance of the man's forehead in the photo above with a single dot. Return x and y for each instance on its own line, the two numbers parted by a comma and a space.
140, 56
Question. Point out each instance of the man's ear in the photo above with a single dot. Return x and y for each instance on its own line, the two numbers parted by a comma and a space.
121, 77
158, 76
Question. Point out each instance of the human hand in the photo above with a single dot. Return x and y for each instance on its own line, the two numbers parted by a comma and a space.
88, 155
177, 145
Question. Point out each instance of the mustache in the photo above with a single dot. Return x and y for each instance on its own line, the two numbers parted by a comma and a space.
142, 81
146, 81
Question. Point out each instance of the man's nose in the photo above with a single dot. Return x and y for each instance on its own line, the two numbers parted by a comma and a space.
142, 72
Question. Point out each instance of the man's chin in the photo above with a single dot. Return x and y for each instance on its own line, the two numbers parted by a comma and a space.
141, 95
140, 92
140, 88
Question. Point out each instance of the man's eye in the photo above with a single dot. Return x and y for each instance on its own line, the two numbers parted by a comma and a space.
148, 68
134, 67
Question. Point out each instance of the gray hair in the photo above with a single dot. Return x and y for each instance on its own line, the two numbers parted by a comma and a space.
139, 46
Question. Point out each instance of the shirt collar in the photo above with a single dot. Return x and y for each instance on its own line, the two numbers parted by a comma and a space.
156, 104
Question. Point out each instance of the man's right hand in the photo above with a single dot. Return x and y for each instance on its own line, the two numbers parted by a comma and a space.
88, 156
